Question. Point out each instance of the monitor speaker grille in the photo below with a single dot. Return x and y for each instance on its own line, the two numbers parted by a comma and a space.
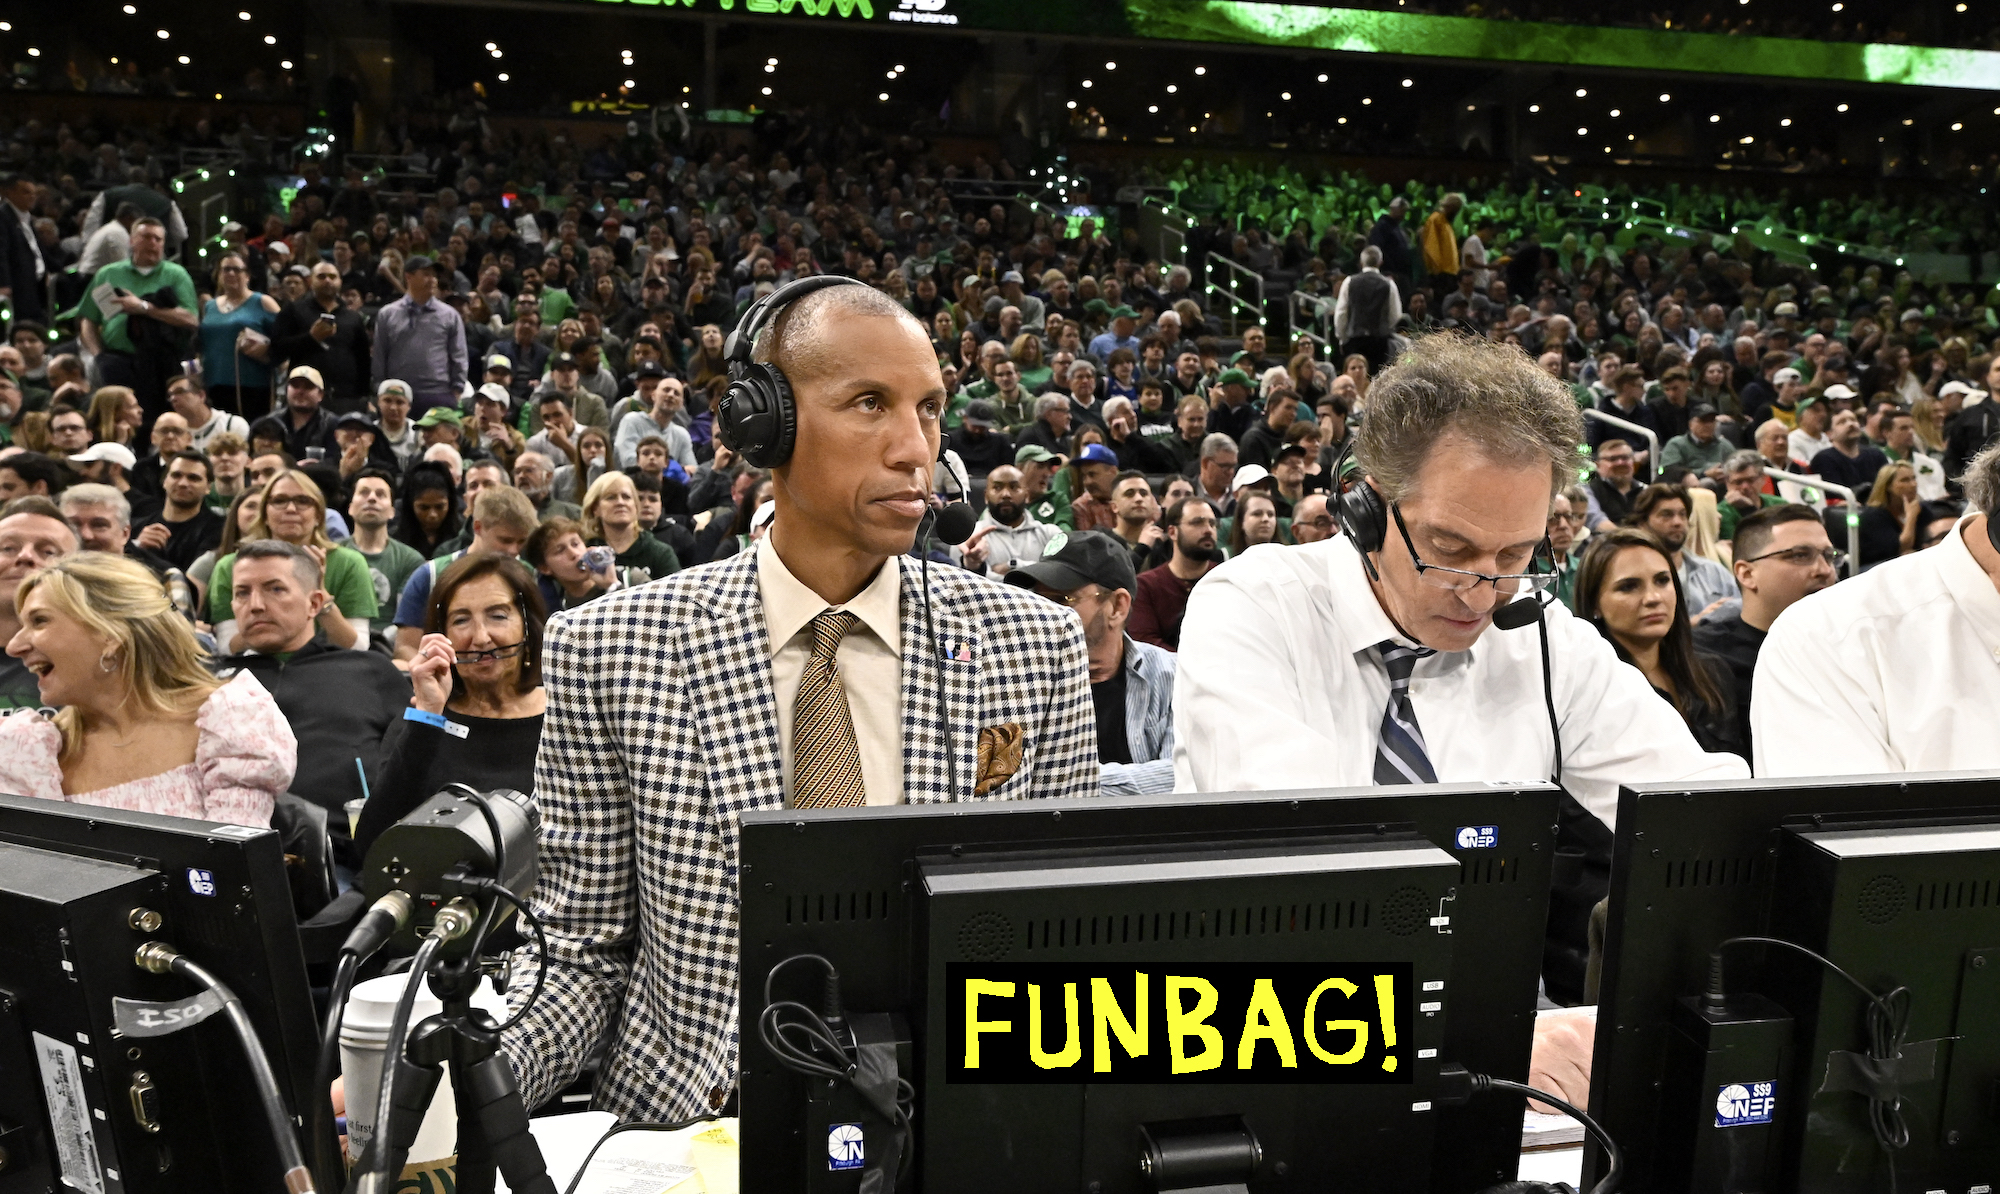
1882, 900
1405, 911
986, 937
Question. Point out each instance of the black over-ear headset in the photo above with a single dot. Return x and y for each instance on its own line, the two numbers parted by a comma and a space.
757, 417
1364, 518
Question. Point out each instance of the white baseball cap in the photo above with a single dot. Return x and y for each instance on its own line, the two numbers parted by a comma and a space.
117, 454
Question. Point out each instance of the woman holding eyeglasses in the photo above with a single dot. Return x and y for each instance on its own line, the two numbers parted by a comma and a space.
476, 706
236, 341
1628, 588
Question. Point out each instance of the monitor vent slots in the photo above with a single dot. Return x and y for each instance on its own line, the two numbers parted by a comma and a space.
1489, 869
1137, 928
835, 906
1712, 872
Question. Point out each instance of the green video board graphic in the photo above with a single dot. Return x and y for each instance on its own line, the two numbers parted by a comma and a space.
1362, 31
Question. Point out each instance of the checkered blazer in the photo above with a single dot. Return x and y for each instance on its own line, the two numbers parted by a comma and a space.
662, 731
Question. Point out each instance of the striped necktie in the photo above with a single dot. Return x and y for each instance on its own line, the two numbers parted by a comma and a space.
826, 760
1402, 757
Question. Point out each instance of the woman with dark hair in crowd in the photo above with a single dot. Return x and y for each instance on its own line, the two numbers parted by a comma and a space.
143, 725
427, 513
1355, 366
1255, 524
476, 703
586, 464
751, 489
236, 341
1627, 587
244, 512
1891, 520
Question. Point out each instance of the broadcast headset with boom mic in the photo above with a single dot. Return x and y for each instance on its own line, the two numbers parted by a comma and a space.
1364, 519
758, 418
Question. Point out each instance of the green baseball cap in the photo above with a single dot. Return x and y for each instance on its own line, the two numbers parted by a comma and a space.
1234, 377
1097, 307
1123, 312
441, 414
1035, 452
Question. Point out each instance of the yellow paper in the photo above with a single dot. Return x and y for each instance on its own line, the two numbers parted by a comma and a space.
713, 1152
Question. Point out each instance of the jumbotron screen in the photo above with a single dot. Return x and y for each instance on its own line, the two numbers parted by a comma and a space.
1360, 31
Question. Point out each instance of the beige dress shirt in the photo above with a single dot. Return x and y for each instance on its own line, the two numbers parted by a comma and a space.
870, 662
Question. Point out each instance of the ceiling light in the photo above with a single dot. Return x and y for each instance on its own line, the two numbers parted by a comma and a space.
1746, 141
1201, 70
767, 91
1614, 113
1343, 120
114, 60
1110, 66
1153, 108
270, 39
1072, 103
502, 76
129, 11
1366, 100
184, 60
1171, 89
769, 69
899, 68
1086, 82
33, 52
285, 65
1322, 78
1472, 107
242, 16
1583, 132
1285, 95
1838, 7
496, 53
1664, 97
890, 74
1409, 82
490, 46
1843, 108
1580, 93
1907, 122
163, 35
1715, 120
1957, 127
1531, 107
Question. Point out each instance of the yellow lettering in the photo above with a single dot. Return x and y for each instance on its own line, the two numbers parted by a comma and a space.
974, 988
1358, 1027
1105, 1013
1264, 1020
1182, 1024
1072, 1050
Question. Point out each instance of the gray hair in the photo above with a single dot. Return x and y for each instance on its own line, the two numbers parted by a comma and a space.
1491, 393
1982, 481
1372, 255
1051, 402
1743, 461
97, 495
1216, 443
303, 565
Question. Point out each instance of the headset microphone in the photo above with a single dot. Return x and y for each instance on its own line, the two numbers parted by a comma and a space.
1516, 614
952, 523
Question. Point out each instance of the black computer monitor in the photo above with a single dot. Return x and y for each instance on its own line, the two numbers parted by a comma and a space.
81, 889
1896, 879
1443, 890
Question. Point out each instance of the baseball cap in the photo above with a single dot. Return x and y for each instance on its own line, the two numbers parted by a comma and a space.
980, 413
1956, 387
493, 391
1300, 449
1910, 314
650, 369
309, 373
419, 262
1838, 392
1097, 306
1808, 400
1071, 561
562, 360
496, 361
1787, 374
400, 387
1784, 309
117, 454
1013, 275
1123, 312
1035, 452
1096, 454
355, 418
278, 246
1700, 410
1233, 377
441, 414
1250, 474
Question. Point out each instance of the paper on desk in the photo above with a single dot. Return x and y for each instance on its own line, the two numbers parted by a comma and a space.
700, 1158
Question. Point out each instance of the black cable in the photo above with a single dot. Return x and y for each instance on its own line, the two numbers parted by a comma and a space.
821, 1053
328, 1172
471, 795
541, 947
378, 1178
1888, 1024
1607, 1184
1549, 697
298, 1178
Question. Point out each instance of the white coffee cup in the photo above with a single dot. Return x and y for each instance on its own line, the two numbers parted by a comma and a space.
364, 1038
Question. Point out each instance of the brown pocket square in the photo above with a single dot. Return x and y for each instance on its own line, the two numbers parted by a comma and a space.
999, 756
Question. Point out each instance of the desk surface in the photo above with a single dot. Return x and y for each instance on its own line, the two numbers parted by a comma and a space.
566, 1141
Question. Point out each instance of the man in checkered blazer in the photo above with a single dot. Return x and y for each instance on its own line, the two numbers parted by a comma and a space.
668, 716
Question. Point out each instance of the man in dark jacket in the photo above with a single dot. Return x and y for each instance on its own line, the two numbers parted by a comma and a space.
23, 270
320, 331
339, 702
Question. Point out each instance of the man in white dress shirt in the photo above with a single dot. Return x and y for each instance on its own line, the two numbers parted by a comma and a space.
1897, 669
1289, 658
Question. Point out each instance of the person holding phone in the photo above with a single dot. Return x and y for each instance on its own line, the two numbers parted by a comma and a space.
137, 317
322, 332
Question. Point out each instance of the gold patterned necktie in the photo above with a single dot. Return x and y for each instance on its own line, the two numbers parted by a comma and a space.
826, 761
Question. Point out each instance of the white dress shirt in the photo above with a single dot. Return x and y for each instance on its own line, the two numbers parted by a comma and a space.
1279, 687
870, 662
1895, 670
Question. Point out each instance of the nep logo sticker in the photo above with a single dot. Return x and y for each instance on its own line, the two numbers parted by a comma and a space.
843, 1146
1741, 1104
201, 882
1478, 837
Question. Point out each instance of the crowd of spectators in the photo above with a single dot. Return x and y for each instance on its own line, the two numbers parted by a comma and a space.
373, 441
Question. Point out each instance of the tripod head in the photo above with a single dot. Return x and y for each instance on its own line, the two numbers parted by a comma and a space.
459, 844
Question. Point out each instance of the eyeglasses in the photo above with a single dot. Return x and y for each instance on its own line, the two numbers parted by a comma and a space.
463, 658
1803, 557
293, 501
1458, 580
1323, 523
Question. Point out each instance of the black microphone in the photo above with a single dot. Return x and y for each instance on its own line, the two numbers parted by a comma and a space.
954, 523
1516, 614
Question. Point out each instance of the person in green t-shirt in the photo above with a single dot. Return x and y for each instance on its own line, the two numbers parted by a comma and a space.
294, 510
390, 560
114, 299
